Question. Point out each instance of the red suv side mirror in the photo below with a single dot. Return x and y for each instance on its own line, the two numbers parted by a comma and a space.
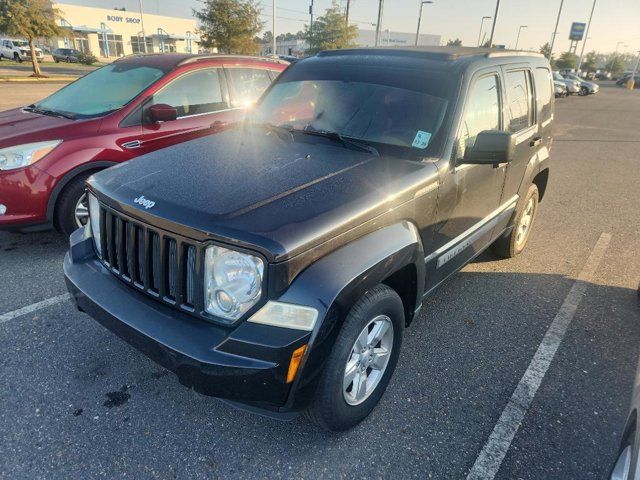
162, 112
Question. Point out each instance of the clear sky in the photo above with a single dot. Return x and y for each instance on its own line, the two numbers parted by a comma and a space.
613, 21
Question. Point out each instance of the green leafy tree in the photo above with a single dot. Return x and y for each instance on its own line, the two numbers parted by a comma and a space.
329, 32
616, 66
567, 61
544, 50
454, 43
29, 19
589, 62
229, 25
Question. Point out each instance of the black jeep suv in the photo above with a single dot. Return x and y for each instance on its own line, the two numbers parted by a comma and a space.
276, 264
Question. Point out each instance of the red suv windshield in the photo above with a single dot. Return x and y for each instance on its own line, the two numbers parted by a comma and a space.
101, 91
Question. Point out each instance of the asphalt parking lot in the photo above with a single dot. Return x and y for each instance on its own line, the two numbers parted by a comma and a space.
79, 403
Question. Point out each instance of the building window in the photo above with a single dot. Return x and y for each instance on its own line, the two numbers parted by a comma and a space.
113, 46
80, 42
137, 45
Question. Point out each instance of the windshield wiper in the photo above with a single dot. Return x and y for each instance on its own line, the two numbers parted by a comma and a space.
52, 113
346, 141
281, 131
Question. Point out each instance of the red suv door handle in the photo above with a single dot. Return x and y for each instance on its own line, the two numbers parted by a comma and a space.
218, 124
535, 142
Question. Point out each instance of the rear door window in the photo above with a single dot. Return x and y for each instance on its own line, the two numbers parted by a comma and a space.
247, 84
519, 100
544, 91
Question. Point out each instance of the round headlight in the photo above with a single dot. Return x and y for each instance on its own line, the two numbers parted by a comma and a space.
233, 282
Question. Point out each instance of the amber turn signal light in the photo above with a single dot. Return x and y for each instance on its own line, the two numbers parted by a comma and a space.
294, 364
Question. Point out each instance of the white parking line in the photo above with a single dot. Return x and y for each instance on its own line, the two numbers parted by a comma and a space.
488, 462
34, 307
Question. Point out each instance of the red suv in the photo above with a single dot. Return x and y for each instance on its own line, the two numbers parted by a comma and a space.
133, 106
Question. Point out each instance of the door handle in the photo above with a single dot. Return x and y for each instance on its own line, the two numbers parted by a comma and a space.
218, 124
535, 142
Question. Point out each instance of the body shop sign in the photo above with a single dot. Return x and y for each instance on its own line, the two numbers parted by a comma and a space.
121, 19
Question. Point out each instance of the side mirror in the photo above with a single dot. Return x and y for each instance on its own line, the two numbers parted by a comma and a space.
491, 148
162, 113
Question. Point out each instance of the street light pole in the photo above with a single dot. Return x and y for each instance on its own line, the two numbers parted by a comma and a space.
586, 36
420, 19
311, 24
144, 38
481, 27
518, 38
632, 78
273, 15
379, 24
493, 26
555, 31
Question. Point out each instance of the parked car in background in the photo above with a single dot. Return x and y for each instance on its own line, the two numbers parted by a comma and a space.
17, 50
573, 86
277, 264
288, 58
69, 55
130, 107
586, 87
560, 89
623, 81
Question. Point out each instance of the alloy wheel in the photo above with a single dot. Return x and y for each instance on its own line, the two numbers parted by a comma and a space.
525, 223
368, 360
81, 212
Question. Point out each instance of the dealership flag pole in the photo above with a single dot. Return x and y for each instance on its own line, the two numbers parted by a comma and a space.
493, 26
380, 8
555, 31
144, 38
586, 36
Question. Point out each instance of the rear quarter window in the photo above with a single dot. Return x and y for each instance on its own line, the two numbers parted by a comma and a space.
544, 92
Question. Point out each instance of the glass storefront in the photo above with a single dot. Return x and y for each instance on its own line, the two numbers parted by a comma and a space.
137, 45
113, 46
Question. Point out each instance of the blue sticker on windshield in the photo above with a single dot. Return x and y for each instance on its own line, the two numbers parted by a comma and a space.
422, 140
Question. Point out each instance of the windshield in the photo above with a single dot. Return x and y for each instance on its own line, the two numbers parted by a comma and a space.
101, 91
397, 121
557, 76
20, 43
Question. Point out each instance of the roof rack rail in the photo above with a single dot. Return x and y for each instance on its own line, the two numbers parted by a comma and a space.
197, 58
513, 53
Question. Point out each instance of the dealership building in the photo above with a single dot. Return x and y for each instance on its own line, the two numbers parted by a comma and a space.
366, 38
109, 33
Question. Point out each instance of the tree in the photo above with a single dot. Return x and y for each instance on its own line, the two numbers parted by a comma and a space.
567, 61
30, 19
616, 66
329, 32
589, 63
229, 25
454, 43
544, 50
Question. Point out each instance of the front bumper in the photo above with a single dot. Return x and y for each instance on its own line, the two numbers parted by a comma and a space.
25, 193
247, 364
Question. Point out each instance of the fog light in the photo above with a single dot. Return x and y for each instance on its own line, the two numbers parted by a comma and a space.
3, 209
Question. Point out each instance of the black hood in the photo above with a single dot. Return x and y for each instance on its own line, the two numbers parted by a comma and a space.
253, 187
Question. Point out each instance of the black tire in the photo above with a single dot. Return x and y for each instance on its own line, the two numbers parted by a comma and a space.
584, 91
56, 60
64, 214
329, 409
507, 245
17, 58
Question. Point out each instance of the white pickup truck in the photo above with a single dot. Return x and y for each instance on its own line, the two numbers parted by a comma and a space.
17, 50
